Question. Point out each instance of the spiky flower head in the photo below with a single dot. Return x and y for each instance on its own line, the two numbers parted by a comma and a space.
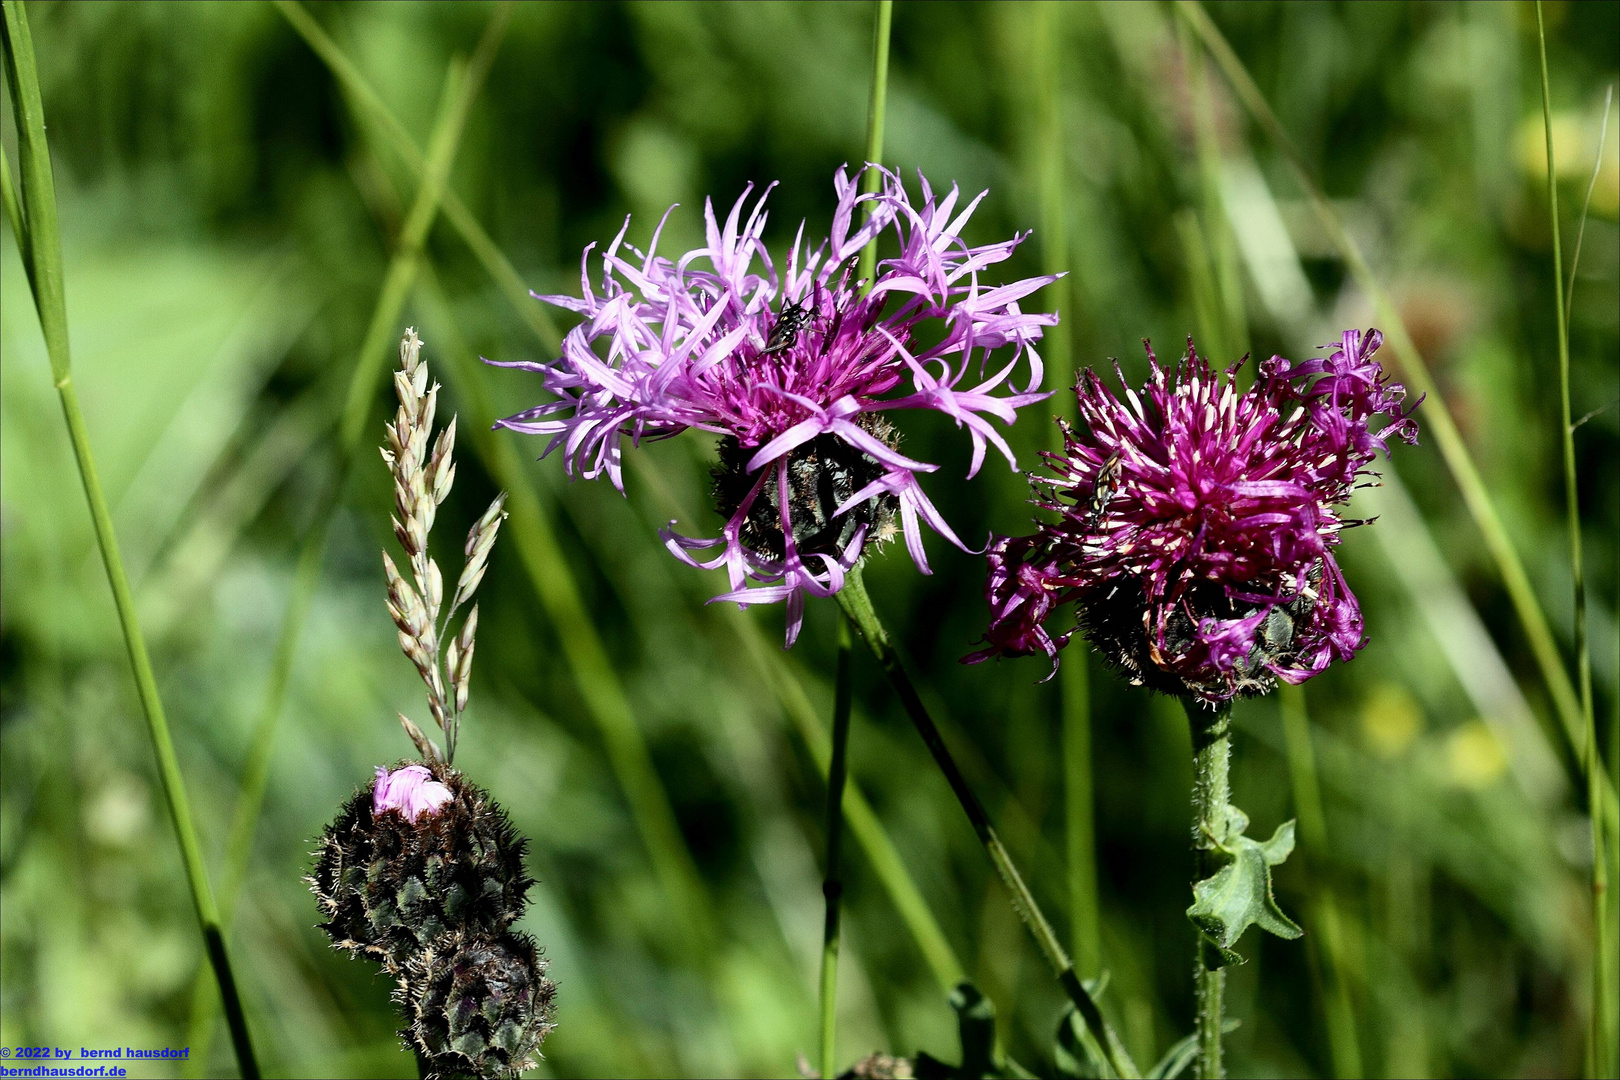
793, 366
389, 882
477, 1005
1196, 523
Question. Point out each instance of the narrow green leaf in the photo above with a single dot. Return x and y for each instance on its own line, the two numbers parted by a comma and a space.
1075, 1053
34, 219
1181, 1054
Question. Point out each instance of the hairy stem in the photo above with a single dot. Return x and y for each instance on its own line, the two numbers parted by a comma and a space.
1211, 794
857, 606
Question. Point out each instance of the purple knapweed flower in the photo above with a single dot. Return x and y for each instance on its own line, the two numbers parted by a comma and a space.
794, 368
411, 790
1197, 523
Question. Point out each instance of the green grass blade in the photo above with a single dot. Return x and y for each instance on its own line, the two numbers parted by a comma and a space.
1586, 204
1051, 181
876, 109
40, 238
775, 671
1437, 418
364, 98
1601, 1008
1225, 285
13, 212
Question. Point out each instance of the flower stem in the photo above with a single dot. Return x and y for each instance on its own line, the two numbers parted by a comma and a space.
1601, 1006
833, 886
1212, 792
40, 239
857, 605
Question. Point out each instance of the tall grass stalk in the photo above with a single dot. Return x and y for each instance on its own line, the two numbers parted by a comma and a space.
1586, 203
34, 220
365, 100
535, 540
1601, 1007
461, 86
876, 108
857, 605
1327, 944
1437, 418
863, 822
1046, 25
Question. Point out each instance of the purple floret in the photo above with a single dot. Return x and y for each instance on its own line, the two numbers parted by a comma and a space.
793, 369
1196, 523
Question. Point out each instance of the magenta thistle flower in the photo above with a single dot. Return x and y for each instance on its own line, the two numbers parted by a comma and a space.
794, 368
411, 790
1197, 523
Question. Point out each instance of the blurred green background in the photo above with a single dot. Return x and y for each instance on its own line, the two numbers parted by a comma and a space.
228, 216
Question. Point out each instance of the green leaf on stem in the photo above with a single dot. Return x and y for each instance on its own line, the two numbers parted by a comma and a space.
1239, 895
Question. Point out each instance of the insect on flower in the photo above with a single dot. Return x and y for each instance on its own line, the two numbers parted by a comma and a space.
1103, 489
1196, 523
785, 334
811, 473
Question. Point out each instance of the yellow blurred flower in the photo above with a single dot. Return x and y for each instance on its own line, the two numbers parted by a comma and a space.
1575, 147
1390, 720
1475, 758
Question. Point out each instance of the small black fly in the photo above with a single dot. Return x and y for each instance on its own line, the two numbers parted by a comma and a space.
793, 319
